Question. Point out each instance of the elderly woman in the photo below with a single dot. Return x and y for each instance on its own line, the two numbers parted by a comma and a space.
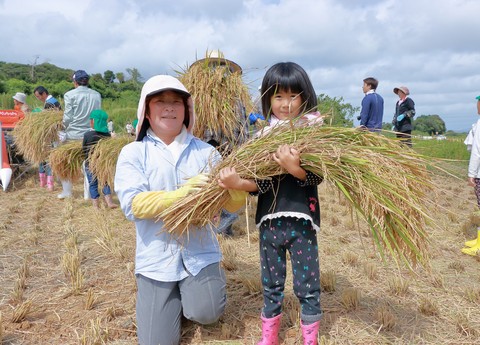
404, 113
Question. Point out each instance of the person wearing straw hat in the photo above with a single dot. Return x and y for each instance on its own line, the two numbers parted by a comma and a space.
404, 113
472, 247
221, 138
79, 103
176, 273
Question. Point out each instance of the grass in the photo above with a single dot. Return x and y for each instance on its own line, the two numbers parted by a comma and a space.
452, 149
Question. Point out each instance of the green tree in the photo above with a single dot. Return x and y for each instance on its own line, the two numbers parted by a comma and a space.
120, 77
108, 76
135, 77
431, 124
337, 112
15, 85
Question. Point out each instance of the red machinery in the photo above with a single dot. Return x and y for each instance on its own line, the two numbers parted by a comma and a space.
8, 120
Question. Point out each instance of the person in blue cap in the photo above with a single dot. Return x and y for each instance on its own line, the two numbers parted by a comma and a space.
79, 103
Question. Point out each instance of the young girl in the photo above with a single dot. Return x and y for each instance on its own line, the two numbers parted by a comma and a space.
288, 213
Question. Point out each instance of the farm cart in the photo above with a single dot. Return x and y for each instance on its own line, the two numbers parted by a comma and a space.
12, 162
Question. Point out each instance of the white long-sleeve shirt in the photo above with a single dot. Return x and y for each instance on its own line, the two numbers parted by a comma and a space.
474, 163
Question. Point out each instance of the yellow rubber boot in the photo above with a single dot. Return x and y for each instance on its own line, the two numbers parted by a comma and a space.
472, 251
474, 242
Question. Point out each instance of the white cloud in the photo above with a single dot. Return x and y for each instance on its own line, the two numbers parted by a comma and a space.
432, 47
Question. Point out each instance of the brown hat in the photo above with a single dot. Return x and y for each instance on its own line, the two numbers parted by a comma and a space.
404, 89
217, 57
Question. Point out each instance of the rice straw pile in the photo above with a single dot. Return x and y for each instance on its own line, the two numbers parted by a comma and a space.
66, 160
103, 158
386, 183
216, 93
35, 134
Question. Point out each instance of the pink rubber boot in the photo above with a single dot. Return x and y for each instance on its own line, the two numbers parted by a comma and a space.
43, 179
270, 328
50, 183
310, 333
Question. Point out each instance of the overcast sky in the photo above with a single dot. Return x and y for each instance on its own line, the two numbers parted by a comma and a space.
432, 47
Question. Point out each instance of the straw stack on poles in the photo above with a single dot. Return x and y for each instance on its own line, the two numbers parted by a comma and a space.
216, 94
385, 183
35, 134
66, 160
104, 155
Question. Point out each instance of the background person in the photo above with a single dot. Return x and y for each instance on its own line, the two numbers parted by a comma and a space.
129, 128
404, 113
110, 126
473, 246
223, 140
79, 103
45, 174
371, 114
20, 102
49, 102
90, 138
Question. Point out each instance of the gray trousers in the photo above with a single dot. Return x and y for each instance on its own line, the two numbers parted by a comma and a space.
160, 304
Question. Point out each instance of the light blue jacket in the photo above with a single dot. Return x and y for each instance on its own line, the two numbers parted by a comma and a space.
148, 165
79, 103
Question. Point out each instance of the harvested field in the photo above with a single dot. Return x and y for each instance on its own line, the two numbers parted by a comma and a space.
67, 276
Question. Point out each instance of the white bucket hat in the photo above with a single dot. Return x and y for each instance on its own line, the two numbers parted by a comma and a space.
216, 56
21, 97
404, 89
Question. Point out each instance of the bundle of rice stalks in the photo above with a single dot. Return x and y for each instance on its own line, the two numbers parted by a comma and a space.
103, 158
66, 160
35, 134
217, 95
386, 184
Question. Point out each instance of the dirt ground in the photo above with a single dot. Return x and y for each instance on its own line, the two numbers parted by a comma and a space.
66, 276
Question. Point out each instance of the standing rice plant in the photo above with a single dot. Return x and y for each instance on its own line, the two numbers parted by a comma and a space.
35, 134
216, 94
1, 328
103, 158
328, 281
66, 160
385, 316
388, 185
350, 298
95, 334
90, 299
21, 311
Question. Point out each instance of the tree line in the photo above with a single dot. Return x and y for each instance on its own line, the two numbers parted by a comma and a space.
124, 90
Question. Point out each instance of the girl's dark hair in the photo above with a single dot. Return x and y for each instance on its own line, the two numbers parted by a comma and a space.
287, 76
